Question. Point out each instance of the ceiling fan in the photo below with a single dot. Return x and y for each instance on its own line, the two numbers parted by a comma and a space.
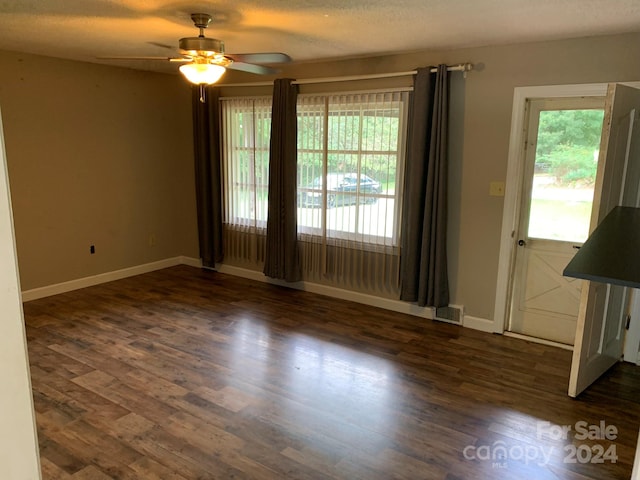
205, 61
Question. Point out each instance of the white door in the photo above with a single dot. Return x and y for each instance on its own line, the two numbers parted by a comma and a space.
561, 153
600, 329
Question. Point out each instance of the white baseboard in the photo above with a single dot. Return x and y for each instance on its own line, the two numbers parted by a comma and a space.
385, 303
477, 323
190, 261
92, 280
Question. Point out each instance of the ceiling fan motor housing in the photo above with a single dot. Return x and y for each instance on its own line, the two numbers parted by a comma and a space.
201, 46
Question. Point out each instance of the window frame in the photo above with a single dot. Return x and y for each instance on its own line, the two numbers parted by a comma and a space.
232, 152
367, 241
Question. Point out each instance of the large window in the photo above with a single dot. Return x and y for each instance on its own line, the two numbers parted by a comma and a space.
349, 165
246, 129
350, 158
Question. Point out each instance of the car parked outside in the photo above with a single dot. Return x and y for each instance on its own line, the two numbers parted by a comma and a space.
342, 189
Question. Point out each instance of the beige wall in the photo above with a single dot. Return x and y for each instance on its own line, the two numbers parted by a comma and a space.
101, 155
97, 156
482, 128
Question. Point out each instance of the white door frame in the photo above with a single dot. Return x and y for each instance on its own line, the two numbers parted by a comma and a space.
511, 206
539, 260
510, 213
19, 452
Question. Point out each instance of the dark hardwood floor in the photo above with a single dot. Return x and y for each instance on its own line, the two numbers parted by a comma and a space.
189, 374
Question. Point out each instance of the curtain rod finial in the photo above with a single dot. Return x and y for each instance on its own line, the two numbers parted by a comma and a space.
466, 68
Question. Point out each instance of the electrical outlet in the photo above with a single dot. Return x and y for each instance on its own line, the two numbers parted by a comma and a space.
496, 189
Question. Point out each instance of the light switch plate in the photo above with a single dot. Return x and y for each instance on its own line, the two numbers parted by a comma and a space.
496, 189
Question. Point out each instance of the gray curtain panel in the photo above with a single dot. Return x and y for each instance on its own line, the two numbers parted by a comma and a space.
282, 259
423, 261
206, 138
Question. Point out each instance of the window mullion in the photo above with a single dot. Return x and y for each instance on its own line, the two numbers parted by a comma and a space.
325, 167
252, 166
359, 172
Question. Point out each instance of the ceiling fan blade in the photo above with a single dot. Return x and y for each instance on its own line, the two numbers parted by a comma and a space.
273, 57
116, 57
248, 67
163, 45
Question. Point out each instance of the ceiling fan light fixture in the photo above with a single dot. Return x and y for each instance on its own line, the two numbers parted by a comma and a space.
202, 73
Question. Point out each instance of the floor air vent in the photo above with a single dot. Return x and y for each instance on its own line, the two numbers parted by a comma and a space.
451, 314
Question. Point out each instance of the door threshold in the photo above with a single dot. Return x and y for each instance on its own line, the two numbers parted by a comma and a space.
542, 341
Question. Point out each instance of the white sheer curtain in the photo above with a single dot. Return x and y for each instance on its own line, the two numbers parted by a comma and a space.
350, 164
350, 178
246, 130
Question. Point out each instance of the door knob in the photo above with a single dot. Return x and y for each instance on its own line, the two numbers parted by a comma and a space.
522, 243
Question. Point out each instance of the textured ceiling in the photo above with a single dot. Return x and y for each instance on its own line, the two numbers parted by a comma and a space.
305, 29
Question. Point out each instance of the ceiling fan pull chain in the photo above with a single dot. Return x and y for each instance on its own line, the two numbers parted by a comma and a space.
203, 93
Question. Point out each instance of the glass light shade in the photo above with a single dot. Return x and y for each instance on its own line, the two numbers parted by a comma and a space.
202, 73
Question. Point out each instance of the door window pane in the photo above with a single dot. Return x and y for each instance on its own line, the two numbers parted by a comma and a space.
564, 174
